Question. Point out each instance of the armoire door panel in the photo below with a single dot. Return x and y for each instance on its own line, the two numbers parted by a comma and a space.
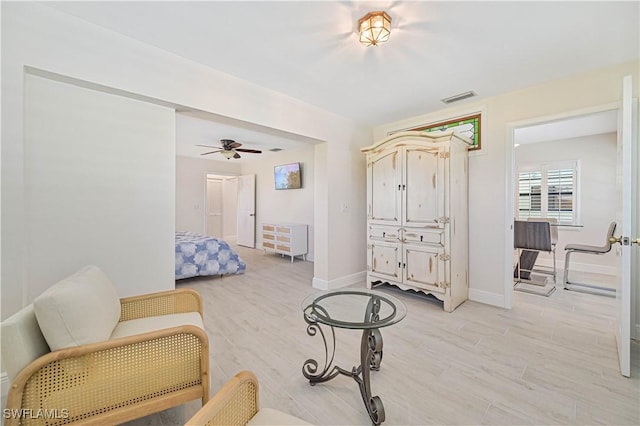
422, 190
423, 267
384, 189
385, 260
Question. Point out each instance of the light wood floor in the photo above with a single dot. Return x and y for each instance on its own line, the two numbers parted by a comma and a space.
547, 361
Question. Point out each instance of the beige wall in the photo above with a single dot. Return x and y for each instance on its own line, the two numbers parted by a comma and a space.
490, 169
34, 35
284, 206
99, 171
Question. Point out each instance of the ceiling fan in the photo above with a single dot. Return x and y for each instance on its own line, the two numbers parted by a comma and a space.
229, 149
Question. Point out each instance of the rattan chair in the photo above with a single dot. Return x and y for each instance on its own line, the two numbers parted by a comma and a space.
237, 403
111, 381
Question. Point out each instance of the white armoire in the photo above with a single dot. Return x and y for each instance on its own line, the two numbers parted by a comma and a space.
417, 214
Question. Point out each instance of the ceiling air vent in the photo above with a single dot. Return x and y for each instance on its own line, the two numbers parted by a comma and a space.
275, 149
458, 97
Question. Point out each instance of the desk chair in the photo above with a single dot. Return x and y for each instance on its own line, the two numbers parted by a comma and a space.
597, 250
553, 222
530, 238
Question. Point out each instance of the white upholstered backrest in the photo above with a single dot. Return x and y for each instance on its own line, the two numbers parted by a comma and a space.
22, 341
81, 309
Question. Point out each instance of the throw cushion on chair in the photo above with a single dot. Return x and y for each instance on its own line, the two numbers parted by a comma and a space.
149, 324
81, 309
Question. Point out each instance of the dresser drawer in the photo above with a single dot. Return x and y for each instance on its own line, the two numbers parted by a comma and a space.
266, 244
284, 248
268, 237
268, 228
283, 230
283, 238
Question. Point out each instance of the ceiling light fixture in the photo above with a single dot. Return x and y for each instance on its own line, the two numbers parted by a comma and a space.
228, 154
374, 28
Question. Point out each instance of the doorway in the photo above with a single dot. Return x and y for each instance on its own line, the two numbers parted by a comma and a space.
624, 162
573, 127
221, 201
565, 170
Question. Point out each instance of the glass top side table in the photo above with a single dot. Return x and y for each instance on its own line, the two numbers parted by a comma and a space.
358, 309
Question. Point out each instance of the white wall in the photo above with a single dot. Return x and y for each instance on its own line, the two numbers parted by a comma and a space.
597, 195
34, 35
190, 190
291, 205
98, 172
489, 169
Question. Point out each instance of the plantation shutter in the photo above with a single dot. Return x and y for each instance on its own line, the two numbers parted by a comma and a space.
549, 191
530, 194
560, 194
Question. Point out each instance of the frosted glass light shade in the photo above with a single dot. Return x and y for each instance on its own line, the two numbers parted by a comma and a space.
374, 28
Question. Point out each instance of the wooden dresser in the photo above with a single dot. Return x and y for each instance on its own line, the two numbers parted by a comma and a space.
285, 238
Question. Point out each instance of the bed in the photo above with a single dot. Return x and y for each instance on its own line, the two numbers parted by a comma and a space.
200, 255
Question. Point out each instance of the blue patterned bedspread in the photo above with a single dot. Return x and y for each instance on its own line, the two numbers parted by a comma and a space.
199, 255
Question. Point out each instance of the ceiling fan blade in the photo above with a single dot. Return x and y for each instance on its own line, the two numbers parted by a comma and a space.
211, 152
208, 146
252, 151
234, 145
236, 155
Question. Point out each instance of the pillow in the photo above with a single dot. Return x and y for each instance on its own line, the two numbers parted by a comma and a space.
81, 309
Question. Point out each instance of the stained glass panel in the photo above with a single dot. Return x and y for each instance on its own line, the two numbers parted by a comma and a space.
468, 126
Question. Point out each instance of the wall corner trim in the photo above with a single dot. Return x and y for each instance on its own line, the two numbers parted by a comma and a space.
344, 281
493, 299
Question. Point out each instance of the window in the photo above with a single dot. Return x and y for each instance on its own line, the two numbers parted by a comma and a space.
548, 190
469, 126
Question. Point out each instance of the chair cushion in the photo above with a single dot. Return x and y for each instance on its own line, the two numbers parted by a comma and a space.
147, 324
269, 416
22, 341
81, 309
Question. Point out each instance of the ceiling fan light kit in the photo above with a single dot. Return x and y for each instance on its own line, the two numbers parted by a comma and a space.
374, 28
228, 154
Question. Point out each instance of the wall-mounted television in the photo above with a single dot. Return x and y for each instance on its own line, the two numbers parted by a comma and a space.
288, 176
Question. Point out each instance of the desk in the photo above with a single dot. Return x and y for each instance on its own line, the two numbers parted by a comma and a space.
355, 309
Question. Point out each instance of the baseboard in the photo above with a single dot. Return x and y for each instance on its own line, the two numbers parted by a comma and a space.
344, 281
487, 298
581, 267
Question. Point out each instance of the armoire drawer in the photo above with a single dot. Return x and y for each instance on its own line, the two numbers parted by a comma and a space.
427, 236
386, 233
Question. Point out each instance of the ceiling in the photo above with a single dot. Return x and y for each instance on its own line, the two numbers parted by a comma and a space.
309, 49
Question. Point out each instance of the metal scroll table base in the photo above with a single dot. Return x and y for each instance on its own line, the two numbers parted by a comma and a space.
370, 359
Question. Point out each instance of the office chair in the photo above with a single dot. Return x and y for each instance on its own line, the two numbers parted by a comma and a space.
585, 249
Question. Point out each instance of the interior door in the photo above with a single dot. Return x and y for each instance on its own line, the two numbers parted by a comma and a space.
623, 289
247, 211
214, 207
